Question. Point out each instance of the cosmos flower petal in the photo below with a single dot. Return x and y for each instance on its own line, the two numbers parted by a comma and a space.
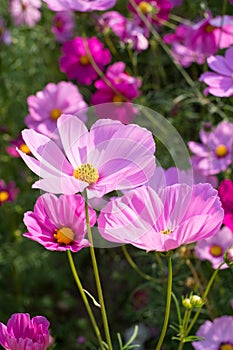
162, 227
72, 133
45, 150
63, 184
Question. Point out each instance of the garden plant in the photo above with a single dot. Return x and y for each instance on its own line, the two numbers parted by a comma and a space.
116, 185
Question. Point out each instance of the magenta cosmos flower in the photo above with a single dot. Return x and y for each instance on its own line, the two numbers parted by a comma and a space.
156, 11
217, 334
21, 333
47, 106
112, 156
63, 26
183, 54
226, 195
121, 87
25, 12
8, 192
59, 223
213, 248
17, 143
77, 59
163, 220
220, 82
210, 34
214, 154
82, 6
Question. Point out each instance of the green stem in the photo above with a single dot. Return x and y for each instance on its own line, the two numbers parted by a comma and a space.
97, 277
168, 304
199, 309
204, 297
135, 267
85, 300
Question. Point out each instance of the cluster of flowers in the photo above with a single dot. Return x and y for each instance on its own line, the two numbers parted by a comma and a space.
112, 156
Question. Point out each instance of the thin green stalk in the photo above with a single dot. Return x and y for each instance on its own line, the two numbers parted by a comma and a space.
199, 309
168, 303
204, 297
134, 265
85, 300
97, 277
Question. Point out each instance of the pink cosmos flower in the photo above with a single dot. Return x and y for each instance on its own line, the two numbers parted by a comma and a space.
231, 1
59, 223
112, 156
226, 195
214, 154
193, 42
121, 88
163, 220
8, 192
129, 32
25, 12
76, 61
82, 6
21, 332
167, 177
47, 106
217, 334
63, 26
183, 54
5, 36
213, 248
210, 34
17, 143
220, 82
156, 11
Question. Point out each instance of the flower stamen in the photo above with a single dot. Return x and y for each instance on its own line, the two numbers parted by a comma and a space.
216, 250
64, 235
145, 7
227, 346
55, 113
167, 231
221, 151
24, 148
117, 99
86, 172
4, 195
84, 60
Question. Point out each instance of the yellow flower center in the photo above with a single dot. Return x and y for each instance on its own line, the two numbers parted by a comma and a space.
226, 347
24, 148
86, 172
64, 235
209, 28
216, 250
145, 7
84, 60
55, 113
221, 151
167, 231
4, 195
117, 99
59, 24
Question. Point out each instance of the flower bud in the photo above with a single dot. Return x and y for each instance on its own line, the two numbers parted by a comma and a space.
228, 256
196, 301
186, 303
